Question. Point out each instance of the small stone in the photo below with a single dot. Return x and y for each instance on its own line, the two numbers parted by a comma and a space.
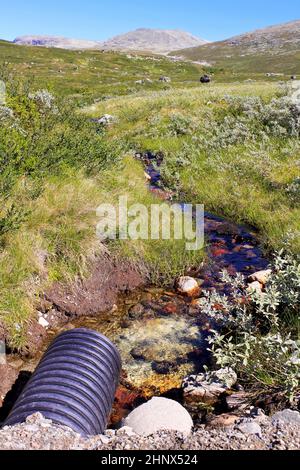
136, 312
43, 322
188, 286
261, 276
250, 427
16, 363
35, 418
223, 421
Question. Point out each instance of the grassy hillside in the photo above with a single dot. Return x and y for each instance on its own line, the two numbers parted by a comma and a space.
271, 50
56, 168
230, 147
236, 60
89, 75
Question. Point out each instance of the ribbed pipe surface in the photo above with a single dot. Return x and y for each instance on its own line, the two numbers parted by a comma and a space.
74, 384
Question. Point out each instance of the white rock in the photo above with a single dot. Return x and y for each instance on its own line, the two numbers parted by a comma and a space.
261, 276
188, 286
255, 288
106, 119
159, 414
126, 430
43, 322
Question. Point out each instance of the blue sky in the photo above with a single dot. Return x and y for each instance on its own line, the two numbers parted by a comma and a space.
92, 19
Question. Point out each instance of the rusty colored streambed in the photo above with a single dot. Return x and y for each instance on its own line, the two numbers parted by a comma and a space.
161, 335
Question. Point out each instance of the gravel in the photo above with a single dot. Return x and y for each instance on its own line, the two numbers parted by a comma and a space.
39, 433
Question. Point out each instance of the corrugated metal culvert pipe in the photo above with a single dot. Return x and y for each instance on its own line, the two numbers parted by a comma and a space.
74, 384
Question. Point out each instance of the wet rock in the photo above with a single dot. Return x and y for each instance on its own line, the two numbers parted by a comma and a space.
136, 312
261, 276
170, 308
138, 354
159, 414
206, 389
247, 426
163, 367
287, 416
188, 286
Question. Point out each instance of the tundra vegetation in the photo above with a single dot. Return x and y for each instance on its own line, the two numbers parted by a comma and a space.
232, 146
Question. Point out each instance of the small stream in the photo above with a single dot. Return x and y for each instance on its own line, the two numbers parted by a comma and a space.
160, 334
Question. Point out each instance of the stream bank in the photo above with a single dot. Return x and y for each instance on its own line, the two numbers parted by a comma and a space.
161, 334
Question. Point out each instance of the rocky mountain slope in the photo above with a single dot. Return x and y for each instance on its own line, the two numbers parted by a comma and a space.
276, 48
152, 40
53, 41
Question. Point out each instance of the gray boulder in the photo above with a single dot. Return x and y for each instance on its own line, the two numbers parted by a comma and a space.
287, 416
206, 389
106, 120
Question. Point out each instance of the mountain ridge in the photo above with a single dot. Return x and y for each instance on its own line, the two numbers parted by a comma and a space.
257, 41
142, 39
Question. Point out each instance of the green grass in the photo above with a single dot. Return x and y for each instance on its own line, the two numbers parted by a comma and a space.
58, 240
246, 60
55, 169
85, 76
244, 181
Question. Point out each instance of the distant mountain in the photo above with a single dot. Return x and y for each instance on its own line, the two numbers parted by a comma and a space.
153, 40
275, 46
60, 42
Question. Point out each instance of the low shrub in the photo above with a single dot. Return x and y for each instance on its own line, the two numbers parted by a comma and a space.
258, 339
